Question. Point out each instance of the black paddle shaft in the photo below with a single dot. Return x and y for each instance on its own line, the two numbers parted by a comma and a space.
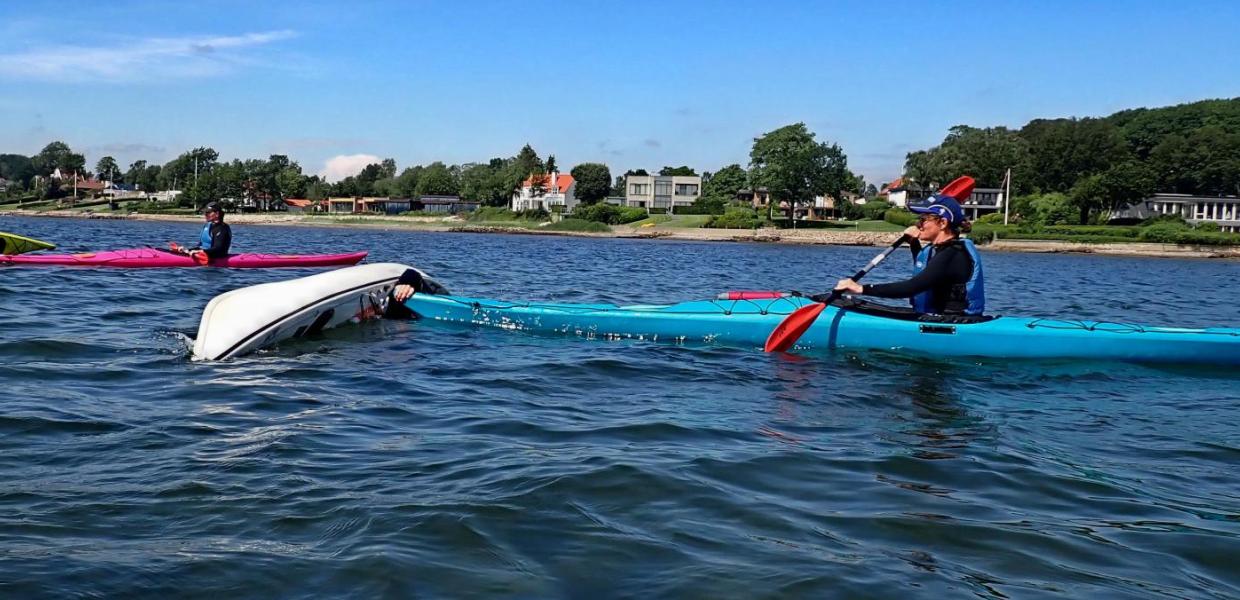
866, 269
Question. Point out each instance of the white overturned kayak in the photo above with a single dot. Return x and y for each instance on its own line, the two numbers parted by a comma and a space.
246, 319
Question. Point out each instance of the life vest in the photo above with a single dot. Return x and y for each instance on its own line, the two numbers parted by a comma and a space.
204, 240
973, 294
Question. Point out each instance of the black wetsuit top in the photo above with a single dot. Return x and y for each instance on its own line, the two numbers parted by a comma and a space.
221, 240
945, 275
398, 310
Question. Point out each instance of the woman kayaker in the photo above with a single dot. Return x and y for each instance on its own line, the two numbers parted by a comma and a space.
947, 276
215, 238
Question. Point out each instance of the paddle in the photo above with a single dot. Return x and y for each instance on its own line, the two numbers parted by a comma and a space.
794, 325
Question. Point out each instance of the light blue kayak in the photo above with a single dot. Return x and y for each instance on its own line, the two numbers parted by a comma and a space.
848, 326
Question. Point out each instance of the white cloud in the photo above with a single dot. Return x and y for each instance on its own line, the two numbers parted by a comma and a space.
344, 165
137, 59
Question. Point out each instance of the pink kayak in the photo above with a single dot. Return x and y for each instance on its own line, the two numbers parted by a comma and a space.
152, 258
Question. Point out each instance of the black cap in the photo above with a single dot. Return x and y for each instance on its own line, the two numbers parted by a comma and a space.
213, 207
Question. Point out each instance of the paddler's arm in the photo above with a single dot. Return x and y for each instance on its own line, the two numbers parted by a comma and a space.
410, 283
934, 272
914, 244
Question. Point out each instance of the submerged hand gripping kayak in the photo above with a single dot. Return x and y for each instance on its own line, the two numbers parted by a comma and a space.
848, 325
148, 258
11, 244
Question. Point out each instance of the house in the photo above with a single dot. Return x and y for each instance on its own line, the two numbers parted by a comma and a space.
342, 205
661, 193
557, 194
901, 192
757, 198
299, 205
448, 205
982, 201
384, 206
1223, 210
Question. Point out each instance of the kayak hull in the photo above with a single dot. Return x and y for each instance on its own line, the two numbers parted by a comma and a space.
247, 319
12, 244
151, 258
748, 322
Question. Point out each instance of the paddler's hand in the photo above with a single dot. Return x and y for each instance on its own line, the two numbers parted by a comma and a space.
199, 256
402, 292
912, 231
848, 285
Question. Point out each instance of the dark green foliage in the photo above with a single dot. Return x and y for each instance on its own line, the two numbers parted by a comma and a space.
901, 217
736, 218
611, 215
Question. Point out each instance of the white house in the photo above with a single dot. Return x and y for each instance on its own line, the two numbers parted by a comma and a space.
664, 192
557, 195
1224, 210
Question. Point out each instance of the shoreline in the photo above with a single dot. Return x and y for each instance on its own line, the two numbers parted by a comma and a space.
805, 237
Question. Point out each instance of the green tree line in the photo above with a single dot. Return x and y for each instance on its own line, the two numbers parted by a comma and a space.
1096, 165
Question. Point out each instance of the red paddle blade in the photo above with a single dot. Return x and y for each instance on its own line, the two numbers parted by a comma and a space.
960, 188
792, 327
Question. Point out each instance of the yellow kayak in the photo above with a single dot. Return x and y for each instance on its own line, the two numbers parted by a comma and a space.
15, 244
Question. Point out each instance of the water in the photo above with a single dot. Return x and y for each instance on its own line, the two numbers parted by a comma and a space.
411, 459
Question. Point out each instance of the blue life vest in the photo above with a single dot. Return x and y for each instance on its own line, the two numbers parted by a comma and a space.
204, 240
974, 289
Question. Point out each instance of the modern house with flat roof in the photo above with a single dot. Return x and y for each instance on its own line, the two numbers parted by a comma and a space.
661, 193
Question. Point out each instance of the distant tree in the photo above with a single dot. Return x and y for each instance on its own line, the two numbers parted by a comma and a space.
107, 168
550, 168
437, 180
522, 167
681, 170
58, 155
985, 154
1062, 151
388, 168
724, 184
795, 168
16, 167
593, 182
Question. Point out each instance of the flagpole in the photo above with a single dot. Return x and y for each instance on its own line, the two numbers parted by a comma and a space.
1007, 195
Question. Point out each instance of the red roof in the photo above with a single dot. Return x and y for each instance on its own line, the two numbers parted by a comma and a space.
562, 182
298, 202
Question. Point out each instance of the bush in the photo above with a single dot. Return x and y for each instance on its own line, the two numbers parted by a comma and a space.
875, 209
1162, 233
611, 215
736, 218
900, 216
578, 225
993, 218
1092, 230
1207, 226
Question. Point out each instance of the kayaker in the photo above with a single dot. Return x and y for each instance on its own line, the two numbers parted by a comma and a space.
216, 236
947, 277
411, 282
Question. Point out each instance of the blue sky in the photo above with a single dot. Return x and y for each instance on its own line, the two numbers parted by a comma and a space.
631, 84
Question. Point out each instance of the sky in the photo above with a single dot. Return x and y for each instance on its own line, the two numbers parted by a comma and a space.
632, 84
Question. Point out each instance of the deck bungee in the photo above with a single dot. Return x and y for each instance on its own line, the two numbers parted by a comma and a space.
847, 325
11, 244
149, 258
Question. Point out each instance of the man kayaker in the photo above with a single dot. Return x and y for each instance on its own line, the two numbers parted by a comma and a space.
216, 236
947, 277
411, 282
